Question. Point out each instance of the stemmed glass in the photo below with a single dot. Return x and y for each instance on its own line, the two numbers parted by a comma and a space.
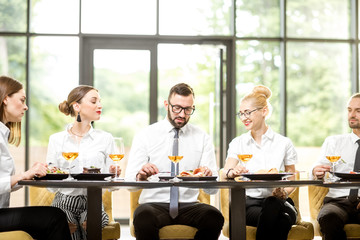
175, 158
117, 155
333, 159
244, 158
70, 151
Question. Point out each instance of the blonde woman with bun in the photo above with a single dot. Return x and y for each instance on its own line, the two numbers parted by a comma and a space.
94, 146
270, 210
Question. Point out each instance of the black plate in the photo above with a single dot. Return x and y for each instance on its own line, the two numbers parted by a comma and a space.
91, 176
205, 178
53, 176
266, 176
348, 176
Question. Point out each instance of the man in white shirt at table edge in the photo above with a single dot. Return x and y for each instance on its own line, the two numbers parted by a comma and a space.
149, 156
340, 205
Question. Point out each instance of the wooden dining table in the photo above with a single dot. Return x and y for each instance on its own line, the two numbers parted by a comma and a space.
237, 196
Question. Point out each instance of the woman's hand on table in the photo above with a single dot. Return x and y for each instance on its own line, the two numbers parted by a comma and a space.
38, 169
112, 169
146, 171
236, 171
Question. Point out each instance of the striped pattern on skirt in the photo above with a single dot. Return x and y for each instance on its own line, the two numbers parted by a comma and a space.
75, 208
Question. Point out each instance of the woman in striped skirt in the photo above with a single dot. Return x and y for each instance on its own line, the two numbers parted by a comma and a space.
93, 147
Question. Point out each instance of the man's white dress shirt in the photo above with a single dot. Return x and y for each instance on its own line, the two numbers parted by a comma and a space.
341, 145
153, 145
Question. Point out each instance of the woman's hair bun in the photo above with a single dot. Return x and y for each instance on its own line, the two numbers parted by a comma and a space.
64, 107
260, 89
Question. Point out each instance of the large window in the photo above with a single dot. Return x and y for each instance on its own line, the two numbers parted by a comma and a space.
305, 51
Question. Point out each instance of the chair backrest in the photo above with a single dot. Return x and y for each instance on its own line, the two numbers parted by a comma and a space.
40, 196
316, 198
134, 203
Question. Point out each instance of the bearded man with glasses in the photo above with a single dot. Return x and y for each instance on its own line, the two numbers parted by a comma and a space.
149, 156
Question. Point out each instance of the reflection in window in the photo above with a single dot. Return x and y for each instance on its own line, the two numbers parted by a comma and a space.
48, 16
318, 88
54, 72
258, 18
318, 19
122, 78
119, 16
200, 17
13, 16
258, 63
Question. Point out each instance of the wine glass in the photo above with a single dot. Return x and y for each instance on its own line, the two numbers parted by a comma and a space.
333, 159
117, 155
244, 158
175, 157
70, 151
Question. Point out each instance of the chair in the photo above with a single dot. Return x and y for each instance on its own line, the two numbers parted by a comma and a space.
300, 231
171, 231
316, 198
15, 235
42, 197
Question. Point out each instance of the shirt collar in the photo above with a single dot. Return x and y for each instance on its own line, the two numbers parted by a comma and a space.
269, 134
169, 127
4, 130
354, 137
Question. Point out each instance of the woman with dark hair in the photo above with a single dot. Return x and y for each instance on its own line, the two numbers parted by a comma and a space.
40, 222
93, 147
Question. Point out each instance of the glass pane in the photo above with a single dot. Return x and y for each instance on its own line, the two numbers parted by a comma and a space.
318, 88
201, 17
198, 66
318, 18
258, 63
53, 73
48, 16
119, 16
11, 10
12, 55
258, 18
122, 78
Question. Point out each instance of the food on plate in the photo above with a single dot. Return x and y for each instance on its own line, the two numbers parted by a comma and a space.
198, 172
264, 171
54, 170
352, 172
91, 169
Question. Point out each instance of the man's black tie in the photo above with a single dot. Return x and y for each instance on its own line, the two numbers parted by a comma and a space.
174, 191
353, 195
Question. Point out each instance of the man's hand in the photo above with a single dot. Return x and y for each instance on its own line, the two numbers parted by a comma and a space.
146, 171
320, 170
112, 169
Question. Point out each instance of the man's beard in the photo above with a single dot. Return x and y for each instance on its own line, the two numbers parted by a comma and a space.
176, 125
354, 125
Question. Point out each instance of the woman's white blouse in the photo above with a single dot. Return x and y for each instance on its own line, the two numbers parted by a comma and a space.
94, 150
7, 167
275, 151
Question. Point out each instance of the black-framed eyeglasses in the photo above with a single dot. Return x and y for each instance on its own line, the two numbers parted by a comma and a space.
178, 109
246, 113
